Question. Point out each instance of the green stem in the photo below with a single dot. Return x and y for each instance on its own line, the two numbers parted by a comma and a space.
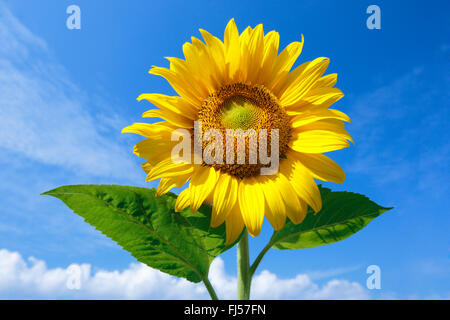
244, 276
260, 256
210, 289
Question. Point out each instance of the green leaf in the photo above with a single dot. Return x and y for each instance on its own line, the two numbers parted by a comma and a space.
178, 243
342, 214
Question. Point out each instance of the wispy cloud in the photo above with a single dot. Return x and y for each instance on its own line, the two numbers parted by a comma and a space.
31, 279
46, 117
324, 274
400, 130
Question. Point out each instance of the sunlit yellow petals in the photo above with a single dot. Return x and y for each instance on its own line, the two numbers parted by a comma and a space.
304, 118
232, 49
255, 53
245, 35
202, 183
297, 216
199, 63
301, 83
320, 136
168, 183
167, 168
209, 198
275, 211
323, 97
319, 97
234, 224
284, 63
146, 166
244, 39
151, 149
215, 49
183, 200
182, 71
333, 125
339, 115
321, 167
159, 130
271, 45
224, 199
173, 104
208, 66
302, 182
326, 81
179, 84
171, 117
295, 207
251, 202
158, 144
284, 80
318, 141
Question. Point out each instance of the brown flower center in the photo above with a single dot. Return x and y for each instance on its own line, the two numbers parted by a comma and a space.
247, 110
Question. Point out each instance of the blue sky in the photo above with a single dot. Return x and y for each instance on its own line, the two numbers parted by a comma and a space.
66, 94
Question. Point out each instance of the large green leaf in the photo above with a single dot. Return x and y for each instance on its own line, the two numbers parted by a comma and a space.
181, 244
342, 214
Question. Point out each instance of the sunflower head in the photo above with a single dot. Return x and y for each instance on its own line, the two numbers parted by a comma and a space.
240, 104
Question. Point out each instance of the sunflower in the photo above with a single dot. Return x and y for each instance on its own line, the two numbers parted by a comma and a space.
243, 83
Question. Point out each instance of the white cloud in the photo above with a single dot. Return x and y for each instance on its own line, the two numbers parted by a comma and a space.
32, 279
399, 129
45, 116
323, 274
267, 285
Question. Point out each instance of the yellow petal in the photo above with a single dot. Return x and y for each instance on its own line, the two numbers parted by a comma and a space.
154, 131
299, 215
182, 71
318, 141
284, 63
168, 183
152, 149
180, 85
321, 167
251, 202
168, 168
320, 136
155, 159
326, 81
275, 211
173, 104
147, 166
317, 98
225, 195
304, 118
201, 64
183, 200
233, 224
158, 143
271, 45
232, 49
255, 53
215, 49
173, 118
302, 182
295, 208
244, 39
302, 79
202, 183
